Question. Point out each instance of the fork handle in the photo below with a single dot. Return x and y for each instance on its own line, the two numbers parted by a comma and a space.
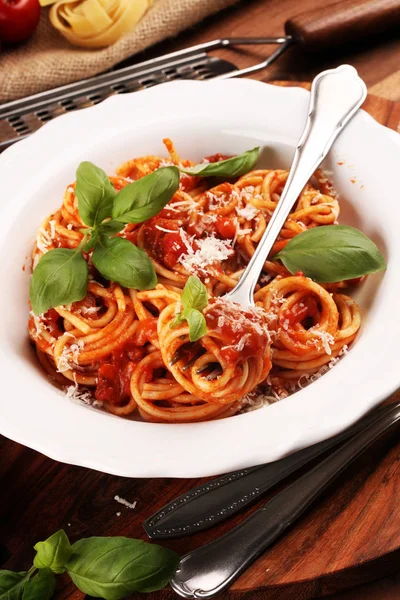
210, 569
336, 95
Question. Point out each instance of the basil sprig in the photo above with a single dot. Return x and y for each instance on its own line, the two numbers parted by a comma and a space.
61, 275
231, 167
95, 193
332, 253
53, 553
42, 586
194, 299
104, 567
120, 260
115, 567
145, 197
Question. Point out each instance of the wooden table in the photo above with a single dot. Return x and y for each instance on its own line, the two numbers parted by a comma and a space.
38, 495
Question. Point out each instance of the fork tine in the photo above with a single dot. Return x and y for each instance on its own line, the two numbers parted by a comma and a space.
214, 374
178, 355
193, 360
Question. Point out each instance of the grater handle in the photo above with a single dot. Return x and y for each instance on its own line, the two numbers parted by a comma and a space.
344, 22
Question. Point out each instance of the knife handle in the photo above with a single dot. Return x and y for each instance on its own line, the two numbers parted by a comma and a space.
211, 503
344, 22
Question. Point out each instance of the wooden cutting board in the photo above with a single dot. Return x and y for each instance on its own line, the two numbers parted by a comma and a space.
350, 536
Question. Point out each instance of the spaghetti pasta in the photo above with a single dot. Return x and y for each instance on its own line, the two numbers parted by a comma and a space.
119, 342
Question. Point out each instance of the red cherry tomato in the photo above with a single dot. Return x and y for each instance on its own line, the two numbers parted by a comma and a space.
225, 227
18, 19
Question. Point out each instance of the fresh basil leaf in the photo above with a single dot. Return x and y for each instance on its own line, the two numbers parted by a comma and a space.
53, 552
110, 227
60, 277
145, 197
95, 193
113, 567
12, 584
119, 260
194, 294
40, 587
231, 167
197, 323
332, 253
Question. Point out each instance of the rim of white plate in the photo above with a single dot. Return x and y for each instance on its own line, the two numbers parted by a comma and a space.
84, 436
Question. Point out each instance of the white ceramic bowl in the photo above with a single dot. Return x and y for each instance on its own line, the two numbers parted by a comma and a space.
202, 118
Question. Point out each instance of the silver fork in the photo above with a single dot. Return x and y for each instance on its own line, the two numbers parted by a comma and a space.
336, 96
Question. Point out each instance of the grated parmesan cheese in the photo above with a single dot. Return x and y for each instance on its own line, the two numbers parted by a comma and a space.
166, 230
240, 345
189, 204
124, 502
43, 240
80, 396
327, 339
89, 310
68, 354
210, 250
52, 224
248, 212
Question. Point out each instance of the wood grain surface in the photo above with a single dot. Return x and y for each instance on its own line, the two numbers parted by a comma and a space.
349, 537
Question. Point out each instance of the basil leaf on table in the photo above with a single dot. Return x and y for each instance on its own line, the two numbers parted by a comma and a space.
197, 323
231, 167
194, 294
119, 260
332, 253
95, 193
12, 584
112, 568
145, 197
53, 553
60, 277
40, 587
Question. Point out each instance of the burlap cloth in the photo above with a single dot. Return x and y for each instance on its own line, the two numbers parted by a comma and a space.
47, 60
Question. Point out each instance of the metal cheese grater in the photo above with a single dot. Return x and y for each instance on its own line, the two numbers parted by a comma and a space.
321, 28
20, 118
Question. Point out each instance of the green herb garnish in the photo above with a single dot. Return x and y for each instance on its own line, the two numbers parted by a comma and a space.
231, 167
332, 253
194, 299
104, 567
61, 275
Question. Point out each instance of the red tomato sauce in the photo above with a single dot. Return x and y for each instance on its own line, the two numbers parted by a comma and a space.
240, 333
226, 227
306, 308
52, 321
164, 246
114, 374
217, 157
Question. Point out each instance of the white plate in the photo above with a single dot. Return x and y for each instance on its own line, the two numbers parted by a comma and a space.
202, 118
